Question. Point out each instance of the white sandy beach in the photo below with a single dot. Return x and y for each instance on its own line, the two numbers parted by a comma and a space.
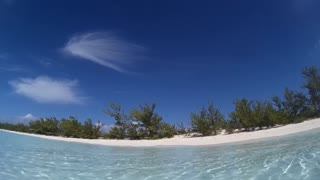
181, 140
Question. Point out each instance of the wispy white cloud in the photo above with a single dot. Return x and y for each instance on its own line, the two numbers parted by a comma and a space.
47, 90
105, 49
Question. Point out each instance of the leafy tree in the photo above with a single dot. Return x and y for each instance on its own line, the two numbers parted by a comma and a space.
252, 114
51, 126
15, 127
230, 126
200, 123
215, 118
281, 114
142, 123
91, 131
46, 126
263, 114
207, 121
21, 128
71, 127
121, 124
165, 131
115, 133
243, 114
293, 108
150, 124
295, 103
134, 132
148, 119
259, 115
312, 85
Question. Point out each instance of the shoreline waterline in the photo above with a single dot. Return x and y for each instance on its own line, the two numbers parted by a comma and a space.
182, 140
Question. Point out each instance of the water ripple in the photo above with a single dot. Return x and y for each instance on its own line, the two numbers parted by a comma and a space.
295, 157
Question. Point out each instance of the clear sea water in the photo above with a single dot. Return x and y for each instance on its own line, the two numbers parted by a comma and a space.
294, 157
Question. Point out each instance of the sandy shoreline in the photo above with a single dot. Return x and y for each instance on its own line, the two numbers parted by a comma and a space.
196, 141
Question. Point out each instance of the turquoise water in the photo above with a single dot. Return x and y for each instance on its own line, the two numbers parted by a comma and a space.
24, 157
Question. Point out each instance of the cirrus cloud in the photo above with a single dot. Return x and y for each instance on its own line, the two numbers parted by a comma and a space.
105, 49
44, 89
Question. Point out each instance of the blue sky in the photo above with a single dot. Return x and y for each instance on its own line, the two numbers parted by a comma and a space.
62, 58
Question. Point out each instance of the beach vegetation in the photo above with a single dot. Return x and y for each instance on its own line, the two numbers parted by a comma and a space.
312, 86
71, 128
208, 121
182, 129
90, 130
145, 123
142, 123
45, 126
15, 127
122, 122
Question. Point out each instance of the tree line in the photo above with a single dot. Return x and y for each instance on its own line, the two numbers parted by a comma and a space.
145, 123
141, 123
70, 127
293, 107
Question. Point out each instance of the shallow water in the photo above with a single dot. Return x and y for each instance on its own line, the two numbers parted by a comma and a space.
294, 157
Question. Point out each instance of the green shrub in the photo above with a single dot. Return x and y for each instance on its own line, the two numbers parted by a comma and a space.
115, 133
166, 131
207, 121
142, 123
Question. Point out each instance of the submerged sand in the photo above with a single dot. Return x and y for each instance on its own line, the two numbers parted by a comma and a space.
182, 140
